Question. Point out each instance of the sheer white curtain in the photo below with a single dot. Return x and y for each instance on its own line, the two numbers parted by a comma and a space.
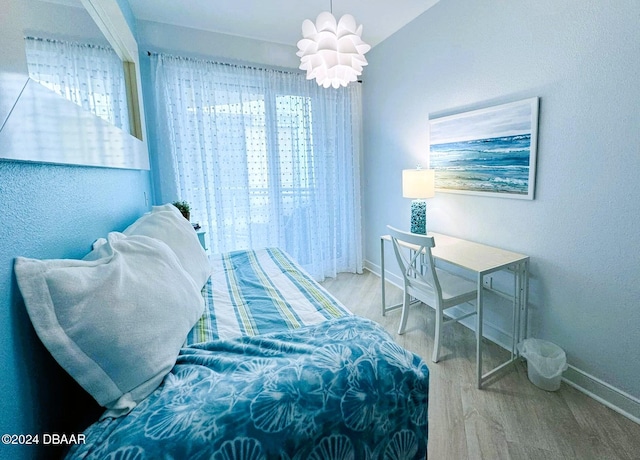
88, 75
264, 157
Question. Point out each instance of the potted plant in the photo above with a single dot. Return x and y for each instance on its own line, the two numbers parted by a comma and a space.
184, 208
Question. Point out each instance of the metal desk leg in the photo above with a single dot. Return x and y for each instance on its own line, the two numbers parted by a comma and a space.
525, 298
521, 300
515, 311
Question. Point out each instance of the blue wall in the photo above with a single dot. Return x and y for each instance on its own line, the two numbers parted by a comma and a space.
582, 58
126, 11
50, 211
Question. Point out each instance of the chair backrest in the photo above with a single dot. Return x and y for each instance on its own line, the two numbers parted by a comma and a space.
418, 269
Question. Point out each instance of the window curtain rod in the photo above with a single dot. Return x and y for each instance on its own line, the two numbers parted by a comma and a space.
68, 42
244, 66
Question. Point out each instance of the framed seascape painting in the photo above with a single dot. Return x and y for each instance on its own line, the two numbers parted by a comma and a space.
490, 151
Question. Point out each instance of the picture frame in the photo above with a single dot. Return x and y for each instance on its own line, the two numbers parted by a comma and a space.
490, 151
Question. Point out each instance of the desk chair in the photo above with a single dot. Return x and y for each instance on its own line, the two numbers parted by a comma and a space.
430, 285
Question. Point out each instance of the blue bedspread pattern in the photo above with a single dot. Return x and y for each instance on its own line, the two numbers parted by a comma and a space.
257, 292
341, 389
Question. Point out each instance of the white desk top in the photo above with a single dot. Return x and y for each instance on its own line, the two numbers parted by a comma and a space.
477, 257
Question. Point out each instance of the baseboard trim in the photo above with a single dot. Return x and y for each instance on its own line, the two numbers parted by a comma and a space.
603, 392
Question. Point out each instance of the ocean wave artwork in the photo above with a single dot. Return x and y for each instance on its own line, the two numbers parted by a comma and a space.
498, 164
486, 151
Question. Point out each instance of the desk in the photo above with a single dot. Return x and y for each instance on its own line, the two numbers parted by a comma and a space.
481, 260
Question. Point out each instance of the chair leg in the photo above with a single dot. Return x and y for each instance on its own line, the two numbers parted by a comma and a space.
405, 313
437, 336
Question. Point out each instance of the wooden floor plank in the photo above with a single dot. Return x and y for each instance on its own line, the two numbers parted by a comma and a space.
602, 427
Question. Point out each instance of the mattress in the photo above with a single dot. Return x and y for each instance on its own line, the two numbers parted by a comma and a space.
256, 292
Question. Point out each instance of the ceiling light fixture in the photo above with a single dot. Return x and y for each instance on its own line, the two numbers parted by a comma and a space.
332, 51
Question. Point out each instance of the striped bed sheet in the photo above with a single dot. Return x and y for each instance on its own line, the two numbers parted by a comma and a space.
260, 291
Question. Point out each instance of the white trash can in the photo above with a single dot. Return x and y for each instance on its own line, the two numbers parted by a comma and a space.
546, 362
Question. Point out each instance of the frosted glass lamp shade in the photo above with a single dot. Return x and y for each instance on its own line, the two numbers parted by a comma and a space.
418, 183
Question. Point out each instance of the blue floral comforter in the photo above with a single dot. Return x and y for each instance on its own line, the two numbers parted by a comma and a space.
338, 390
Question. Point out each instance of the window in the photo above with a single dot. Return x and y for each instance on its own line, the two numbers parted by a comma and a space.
266, 158
87, 75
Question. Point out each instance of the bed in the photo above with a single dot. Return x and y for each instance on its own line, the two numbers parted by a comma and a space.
272, 367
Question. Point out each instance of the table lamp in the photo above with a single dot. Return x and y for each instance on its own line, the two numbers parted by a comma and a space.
418, 184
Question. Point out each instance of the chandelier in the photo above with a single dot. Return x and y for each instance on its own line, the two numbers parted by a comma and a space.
332, 51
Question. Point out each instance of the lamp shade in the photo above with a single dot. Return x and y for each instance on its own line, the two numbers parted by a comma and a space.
418, 183
332, 51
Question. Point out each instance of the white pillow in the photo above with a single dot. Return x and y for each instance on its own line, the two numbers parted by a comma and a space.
167, 224
115, 321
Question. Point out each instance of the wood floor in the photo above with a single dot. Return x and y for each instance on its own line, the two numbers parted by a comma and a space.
510, 418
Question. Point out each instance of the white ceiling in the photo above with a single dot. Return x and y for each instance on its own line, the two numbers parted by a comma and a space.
279, 21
